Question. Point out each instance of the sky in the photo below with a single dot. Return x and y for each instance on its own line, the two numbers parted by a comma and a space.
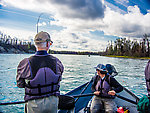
76, 25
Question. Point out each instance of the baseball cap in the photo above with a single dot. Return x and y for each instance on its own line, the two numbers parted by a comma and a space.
100, 67
42, 37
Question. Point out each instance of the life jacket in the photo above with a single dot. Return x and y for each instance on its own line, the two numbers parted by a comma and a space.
105, 87
147, 76
44, 79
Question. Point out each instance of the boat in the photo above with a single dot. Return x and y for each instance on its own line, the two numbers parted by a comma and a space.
79, 99
82, 102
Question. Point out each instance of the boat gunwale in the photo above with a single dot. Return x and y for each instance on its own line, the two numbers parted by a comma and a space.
131, 93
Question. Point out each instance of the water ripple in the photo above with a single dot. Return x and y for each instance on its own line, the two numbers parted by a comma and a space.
78, 70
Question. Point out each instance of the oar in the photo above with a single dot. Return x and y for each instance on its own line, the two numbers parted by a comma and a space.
83, 95
83, 90
126, 99
121, 97
73, 96
10, 103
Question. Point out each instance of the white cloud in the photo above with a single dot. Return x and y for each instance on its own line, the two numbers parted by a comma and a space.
123, 2
132, 24
2, 3
42, 24
18, 33
82, 9
71, 41
116, 23
31, 5
115, 8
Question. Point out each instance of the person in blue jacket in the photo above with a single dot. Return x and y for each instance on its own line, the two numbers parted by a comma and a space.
104, 87
40, 75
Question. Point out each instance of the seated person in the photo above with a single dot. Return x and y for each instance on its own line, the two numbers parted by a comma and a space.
143, 105
105, 87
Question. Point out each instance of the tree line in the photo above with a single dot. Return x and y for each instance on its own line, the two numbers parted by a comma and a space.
127, 47
74, 52
7, 42
7, 39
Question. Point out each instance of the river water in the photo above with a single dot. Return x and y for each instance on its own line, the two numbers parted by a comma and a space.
78, 70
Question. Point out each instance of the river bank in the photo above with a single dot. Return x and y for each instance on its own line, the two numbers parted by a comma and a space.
131, 57
15, 49
22, 49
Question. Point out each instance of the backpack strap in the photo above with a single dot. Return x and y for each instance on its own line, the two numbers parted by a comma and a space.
111, 70
107, 78
147, 80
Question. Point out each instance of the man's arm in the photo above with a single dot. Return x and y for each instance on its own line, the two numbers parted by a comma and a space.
23, 72
60, 68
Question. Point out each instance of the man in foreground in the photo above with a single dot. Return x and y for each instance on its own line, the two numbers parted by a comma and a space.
40, 75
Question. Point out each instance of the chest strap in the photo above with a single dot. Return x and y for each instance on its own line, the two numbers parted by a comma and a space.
42, 86
147, 80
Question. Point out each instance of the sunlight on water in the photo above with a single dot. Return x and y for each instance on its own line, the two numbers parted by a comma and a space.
78, 70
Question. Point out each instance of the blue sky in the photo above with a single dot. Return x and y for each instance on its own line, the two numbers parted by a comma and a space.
80, 25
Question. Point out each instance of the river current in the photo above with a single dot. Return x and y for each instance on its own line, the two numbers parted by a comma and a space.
78, 69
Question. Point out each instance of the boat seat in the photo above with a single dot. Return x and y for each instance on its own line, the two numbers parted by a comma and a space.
66, 102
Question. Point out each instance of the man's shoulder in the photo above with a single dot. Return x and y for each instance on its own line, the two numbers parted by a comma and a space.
43, 57
23, 63
25, 60
52, 56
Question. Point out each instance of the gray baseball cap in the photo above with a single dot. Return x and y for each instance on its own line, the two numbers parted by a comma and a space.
42, 37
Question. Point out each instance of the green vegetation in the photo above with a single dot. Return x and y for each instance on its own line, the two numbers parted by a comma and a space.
126, 48
121, 48
73, 52
127, 57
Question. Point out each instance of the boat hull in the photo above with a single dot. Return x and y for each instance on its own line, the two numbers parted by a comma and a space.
122, 103
83, 103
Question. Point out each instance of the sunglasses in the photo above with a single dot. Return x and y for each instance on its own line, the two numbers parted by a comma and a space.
102, 72
51, 41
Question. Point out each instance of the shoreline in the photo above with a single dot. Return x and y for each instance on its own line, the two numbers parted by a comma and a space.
23, 49
113, 56
128, 57
15, 49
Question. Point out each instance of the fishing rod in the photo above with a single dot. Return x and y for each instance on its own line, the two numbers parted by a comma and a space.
38, 21
74, 96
